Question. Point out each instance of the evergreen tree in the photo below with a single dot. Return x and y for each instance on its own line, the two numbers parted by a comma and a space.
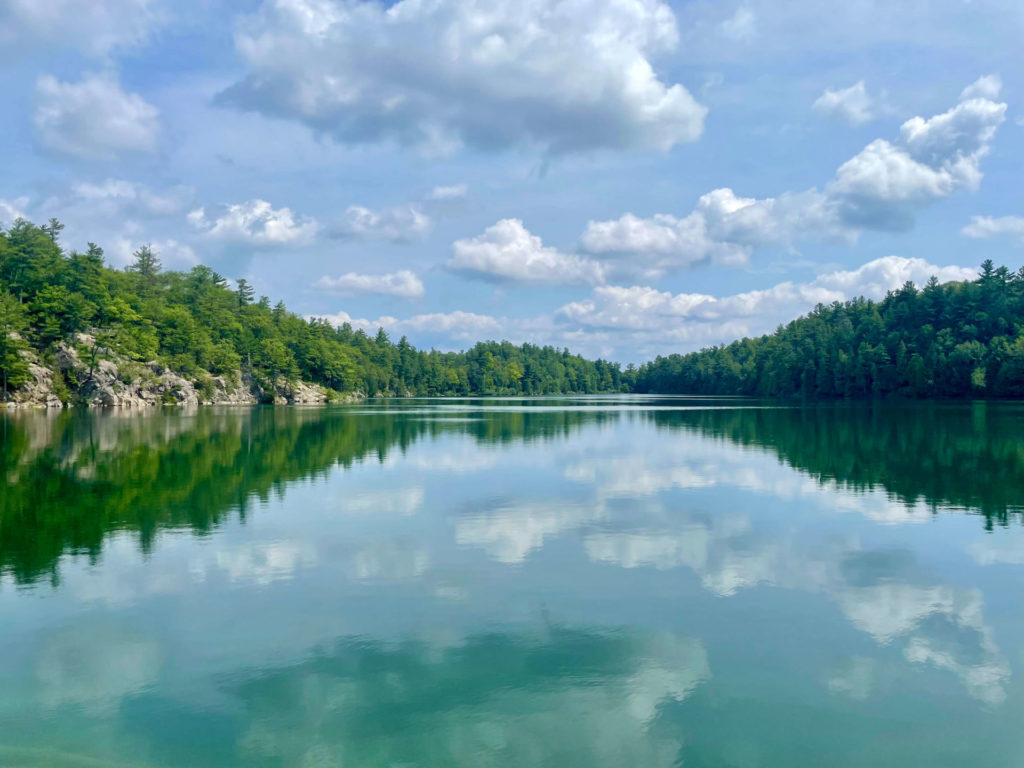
13, 368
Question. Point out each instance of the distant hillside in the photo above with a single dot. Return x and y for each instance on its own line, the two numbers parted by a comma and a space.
960, 339
73, 329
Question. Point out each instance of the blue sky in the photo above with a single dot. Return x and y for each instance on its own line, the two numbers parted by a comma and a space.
622, 177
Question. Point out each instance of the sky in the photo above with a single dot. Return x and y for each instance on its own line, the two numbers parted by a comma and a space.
625, 178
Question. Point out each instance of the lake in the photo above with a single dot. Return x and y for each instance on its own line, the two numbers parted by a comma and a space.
599, 581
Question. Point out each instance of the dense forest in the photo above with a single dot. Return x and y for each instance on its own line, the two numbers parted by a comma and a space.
951, 340
194, 323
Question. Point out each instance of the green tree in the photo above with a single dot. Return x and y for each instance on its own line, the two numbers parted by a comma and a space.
13, 368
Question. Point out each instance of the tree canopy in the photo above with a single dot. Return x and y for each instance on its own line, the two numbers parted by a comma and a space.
197, 325
954, 340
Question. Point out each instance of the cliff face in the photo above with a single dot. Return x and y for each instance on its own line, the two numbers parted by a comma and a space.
104, 379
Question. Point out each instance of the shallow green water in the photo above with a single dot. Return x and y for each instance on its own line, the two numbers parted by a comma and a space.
639, 582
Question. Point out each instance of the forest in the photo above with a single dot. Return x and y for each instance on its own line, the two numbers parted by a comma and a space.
198, 325
949, 340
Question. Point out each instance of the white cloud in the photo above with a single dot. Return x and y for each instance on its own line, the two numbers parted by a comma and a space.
507, 251
741, 26
885, 185
398, 225
255, 222
490, 74
452, 192
117, 214
401, 283
172, 253
94, 118
93, 27
989, 226
114, 196
881, 188
659, 244
986, 87
638, 322
852, 105
699, 319
118, 200
11, 210
458, 325
723, 229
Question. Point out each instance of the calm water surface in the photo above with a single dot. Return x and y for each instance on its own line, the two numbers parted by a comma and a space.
617, 581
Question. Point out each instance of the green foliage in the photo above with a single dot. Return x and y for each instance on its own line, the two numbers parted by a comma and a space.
193, 323
954, 340
13, 368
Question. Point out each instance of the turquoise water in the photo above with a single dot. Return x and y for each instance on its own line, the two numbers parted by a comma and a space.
602, 581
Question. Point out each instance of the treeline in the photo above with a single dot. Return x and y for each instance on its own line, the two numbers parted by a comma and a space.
953, 340
195, 324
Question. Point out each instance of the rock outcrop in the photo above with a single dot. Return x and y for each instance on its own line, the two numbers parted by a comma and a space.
105, 380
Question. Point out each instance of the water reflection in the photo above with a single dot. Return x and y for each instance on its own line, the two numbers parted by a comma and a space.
144, 473
550, 698
513, 583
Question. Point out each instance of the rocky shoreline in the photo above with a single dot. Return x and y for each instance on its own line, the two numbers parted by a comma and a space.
106, 380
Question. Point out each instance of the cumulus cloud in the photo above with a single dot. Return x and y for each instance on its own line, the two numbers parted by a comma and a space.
638, 322
255, 222
93, 27
94, 118
988, 226
402, 283
723, 229
852, 105
400, 224
490, 74
986, 87
751, 312
507, 251
883, 187
666, 242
